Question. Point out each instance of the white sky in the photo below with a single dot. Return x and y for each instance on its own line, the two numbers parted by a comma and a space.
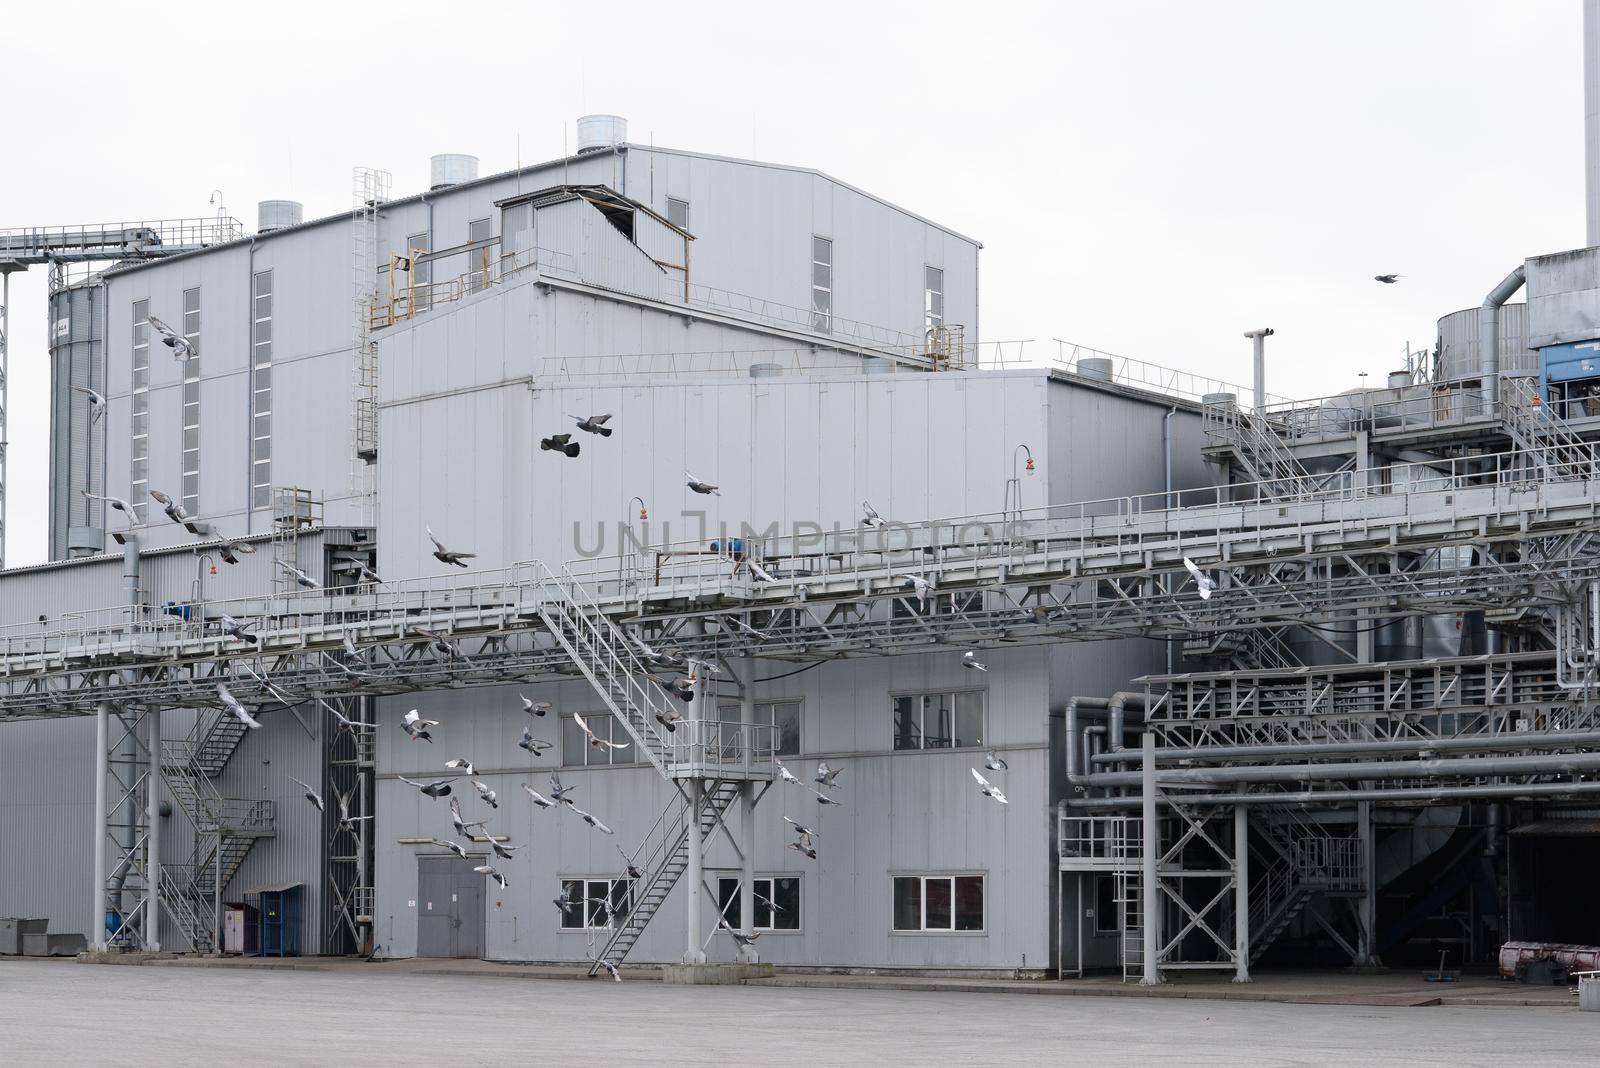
1149, 178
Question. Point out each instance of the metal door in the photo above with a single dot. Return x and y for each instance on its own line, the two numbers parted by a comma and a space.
449, 908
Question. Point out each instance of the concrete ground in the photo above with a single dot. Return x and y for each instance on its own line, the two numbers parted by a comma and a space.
402, 1013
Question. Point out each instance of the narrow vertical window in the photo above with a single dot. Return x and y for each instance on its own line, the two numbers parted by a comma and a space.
477, 271
261, 393
821, 283
932, 297
678, 213
191, 402
139, 444
421, 273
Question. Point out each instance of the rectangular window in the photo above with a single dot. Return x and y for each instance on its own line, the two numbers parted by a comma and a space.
577, 751
784, 716
477, 275
821, 283
139, 444
938, 902
594, 903
421, 273
261, 393
777, 902
939, 720
678, 213
1105, 905
932, 297
191, 402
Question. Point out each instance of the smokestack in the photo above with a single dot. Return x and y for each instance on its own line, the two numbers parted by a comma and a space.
1591, 117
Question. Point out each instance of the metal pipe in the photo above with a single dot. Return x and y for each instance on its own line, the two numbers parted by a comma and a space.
1078, 776
102, 760
1553, 740
1241, 894
131, 591
1116, 713
747, 821
1090, 733
1419, 795
1166, 502
1379, 769
1591, 117
152, 836
1489, 331
695, 954
1259, 337
1150, 888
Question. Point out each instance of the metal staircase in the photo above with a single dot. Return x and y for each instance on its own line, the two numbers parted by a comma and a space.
1551, 446
1256, 445
225, 829
664, 856
1307, 860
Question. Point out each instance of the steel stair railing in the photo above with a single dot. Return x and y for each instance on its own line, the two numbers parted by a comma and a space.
1550, 444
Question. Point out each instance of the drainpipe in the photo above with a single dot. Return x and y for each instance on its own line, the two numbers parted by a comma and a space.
1078, 776
1489, 332
1166, 450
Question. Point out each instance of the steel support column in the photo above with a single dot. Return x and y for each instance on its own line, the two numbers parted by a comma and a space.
152, 840
695, 953
1150, 890
747, 821
1366, 946
102, 769
1241, 894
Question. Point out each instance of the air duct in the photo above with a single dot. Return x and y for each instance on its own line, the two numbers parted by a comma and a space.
451, 168
1489, 331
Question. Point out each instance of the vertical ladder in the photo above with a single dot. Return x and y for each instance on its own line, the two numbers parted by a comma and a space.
369, 191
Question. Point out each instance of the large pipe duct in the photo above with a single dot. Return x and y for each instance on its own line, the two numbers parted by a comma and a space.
1419, 746
1489, 331
1412, 795
1591, 117
1079, 706
1449, 767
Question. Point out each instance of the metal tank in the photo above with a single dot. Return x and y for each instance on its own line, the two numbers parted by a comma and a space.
599, 132
451, 168
77, 437
1096, 367
277, 214
1458, 344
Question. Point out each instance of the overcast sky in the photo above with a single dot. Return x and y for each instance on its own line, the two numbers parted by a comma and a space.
1151, 179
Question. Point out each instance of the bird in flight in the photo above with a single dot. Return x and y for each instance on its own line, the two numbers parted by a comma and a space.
923, 587
594, 739
801, 829
181, 347
97, 402
234, 629
489, 797
994, 761
437, 788
173, 509
594, 424
827, 776
633, 870
301, 579
462, 826
611, 968
654, 655
1203, 583
455, 848
417, 727
230, 551
592, 821
669, 719
989, 789
232, 704
437, 643
447, 556
461, 764
532, 744
560, 792
803, 845
116, 503
705, 488
366, 574
786, 775
969, 659
345, 819
562, 443
534, 708
311, 795
489, 870
1387, 279
825, 799
501, 850
538, 798
870, 517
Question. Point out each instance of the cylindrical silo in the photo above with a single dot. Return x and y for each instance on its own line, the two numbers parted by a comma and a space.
77, 435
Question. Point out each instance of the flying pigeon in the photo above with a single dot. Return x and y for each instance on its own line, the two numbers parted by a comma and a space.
461, 825
827, 776
173, 509
1203, 583
923, 587
994, 761
180, 346
344, 721
700, 487
538, 798
825, 799
311, 795
366, 574
232, 704
592, 821
801, 829
612, 968
594, 739
594, 424
488, 869
447, 556
301, 579
655, 655
969, 659
801, 847
988, 789
116, 503
461, 764
786, 775
1387, 279
564, 900
345, 819
534, 708
669, 719
230, 551
455, 848
437, 643
870, 518
633, 870
97, 403
417, 727
532, 744
437, 788
560, 443
501, 850
559, 792
234, 629
489, 797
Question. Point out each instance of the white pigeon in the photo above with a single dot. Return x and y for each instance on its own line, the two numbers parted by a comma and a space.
461, 764
612, 968
1203, 583
969, 659
489, 870
345, 819
460, 824
534, 708
786, 775
538, 798
97, 402
447, 556
594, 739
989, 789
923, 587
870, 517
116, 503
490, 798
700, 487
311, 795
417, 727
232, 704
301, 579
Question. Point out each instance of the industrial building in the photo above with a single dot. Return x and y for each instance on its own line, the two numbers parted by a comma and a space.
1259, 680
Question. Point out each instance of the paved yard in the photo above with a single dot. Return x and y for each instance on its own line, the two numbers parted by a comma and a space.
65, 1012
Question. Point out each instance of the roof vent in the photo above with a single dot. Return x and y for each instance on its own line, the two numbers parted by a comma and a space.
276, 214
596, 133
452, 168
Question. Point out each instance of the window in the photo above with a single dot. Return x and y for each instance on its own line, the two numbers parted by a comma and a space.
783, 715
932, 297
594, 902
421, 273
191, 402
477, 274
821, 283
939, 720
139, 445
261, 393
678, 213
777, 902
576, 750
1105, 904
938, 902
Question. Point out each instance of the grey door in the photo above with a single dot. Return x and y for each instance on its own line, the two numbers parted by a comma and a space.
449, 908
